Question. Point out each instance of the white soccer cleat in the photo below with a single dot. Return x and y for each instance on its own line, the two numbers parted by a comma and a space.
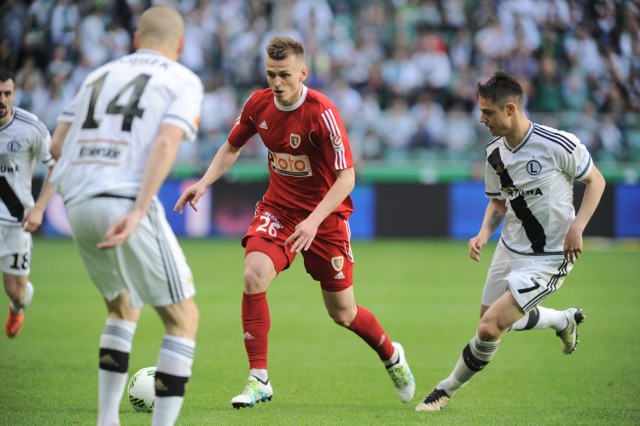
569, 335
402, 377
435, 401
254, 391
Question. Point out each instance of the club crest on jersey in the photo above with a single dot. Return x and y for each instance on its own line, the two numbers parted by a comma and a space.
337, 262
294, 140
534, 168
13, 146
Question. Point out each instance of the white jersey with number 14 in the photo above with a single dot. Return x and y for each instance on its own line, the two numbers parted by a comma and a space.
115, 119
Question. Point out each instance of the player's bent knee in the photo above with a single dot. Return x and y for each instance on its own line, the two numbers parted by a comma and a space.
342, 321
181, 319
342, 318
488, 332
120, 308
255, 281
14, 285
170, 385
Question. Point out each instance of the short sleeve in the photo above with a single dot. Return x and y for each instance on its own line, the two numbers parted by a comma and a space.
584, 163
42, 150
336, 150
184, 111
243, 129
491, 183
577, 163
69, 113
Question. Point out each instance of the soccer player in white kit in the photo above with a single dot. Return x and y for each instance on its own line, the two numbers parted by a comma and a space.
24, 139
116, 144
529, 177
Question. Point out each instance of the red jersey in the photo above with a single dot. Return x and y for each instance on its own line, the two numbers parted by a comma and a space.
307, 143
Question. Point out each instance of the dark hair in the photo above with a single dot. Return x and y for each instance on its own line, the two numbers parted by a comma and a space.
500, 89
6, 76
281, 47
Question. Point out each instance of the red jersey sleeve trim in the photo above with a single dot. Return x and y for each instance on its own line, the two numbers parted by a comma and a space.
244, 127
335, 135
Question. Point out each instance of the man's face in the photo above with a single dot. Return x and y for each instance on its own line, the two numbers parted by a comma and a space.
495, 118
285, 78
7, 95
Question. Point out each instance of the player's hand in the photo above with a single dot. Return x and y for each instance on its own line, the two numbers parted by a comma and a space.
190, 195
303, 236
475, 247
32, 220
120, 232
573, 244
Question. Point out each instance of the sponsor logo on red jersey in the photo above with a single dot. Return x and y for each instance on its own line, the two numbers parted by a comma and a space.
290, 165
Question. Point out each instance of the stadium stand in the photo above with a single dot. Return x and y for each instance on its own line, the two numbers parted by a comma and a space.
403, 72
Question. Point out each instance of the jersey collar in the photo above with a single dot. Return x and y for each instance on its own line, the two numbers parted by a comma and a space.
151, 51
13, 116
524, 140
303, 96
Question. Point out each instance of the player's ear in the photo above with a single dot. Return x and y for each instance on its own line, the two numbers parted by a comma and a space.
304, 72
136, 40
511, 108
181, 45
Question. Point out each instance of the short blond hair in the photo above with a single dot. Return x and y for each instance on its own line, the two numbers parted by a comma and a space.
160, 24
281, 47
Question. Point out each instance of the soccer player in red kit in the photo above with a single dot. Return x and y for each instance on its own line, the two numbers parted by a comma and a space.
305, 210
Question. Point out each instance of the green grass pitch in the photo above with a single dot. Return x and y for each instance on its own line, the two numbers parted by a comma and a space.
424, 292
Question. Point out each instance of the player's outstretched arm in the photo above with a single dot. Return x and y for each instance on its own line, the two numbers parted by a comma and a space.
573, 241
222, 161
190, 195
493, 216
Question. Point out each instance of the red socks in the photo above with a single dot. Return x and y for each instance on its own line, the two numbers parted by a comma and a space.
369, 329
256, 323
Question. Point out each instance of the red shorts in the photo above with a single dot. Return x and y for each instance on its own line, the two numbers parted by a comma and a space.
329, 259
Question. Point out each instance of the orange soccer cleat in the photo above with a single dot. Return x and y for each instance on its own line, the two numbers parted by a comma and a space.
14, 323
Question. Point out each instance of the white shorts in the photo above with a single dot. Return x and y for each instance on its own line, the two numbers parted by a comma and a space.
15, 250
529, 278
150, 265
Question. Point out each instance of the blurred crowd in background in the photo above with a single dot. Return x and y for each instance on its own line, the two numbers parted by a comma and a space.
403, 73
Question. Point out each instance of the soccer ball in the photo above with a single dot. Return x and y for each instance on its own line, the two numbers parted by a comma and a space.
141, 389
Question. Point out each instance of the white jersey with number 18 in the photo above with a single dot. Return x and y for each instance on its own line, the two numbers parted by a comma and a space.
115, 118
23, 141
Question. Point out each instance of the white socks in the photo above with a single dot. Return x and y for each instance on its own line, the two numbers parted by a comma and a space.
475, 356
175, 361
117, 337
26, 299
541, 317
260, 373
